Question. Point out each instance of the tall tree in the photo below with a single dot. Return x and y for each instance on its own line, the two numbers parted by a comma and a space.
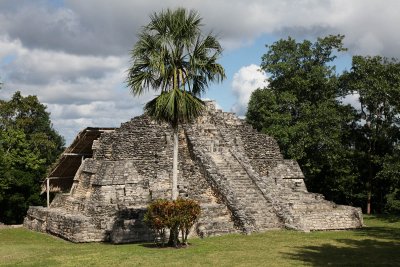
300, 109
174, 57
28, 145
377, 82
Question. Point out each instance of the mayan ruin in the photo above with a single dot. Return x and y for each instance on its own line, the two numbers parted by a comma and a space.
108, 176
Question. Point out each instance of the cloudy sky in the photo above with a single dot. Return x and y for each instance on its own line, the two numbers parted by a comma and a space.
73, 54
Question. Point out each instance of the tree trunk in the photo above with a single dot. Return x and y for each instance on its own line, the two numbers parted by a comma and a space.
369, 202
369, 187
175, 166
173, 237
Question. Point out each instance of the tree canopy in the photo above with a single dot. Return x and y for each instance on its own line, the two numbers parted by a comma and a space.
28, 146
348, 153
174, 57
376, 132
300, 109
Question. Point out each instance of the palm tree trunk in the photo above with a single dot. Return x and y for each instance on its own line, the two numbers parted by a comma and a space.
369, 202
175, 166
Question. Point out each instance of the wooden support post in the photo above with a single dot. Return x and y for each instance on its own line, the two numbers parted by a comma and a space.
48, 192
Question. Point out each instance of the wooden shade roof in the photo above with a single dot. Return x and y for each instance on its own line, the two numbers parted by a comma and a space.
63, 172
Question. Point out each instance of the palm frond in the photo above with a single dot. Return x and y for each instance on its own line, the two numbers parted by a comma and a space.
173, 56
174, 107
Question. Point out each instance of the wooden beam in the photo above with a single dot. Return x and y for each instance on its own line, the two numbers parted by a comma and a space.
62, 177
77, 154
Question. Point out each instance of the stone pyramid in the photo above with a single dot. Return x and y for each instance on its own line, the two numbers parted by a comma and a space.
238, 176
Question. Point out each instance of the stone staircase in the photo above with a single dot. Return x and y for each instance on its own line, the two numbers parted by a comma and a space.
256, 207
259, 202
214, 178
252, 211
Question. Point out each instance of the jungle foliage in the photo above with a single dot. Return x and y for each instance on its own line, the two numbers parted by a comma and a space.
349, 153
28, 145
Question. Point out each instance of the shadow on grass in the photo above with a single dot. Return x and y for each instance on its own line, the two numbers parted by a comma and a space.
387, 233
159, 246
348, 252
388, 218
153, 245
379, 246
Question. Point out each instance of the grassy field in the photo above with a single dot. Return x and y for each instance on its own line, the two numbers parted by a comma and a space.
378, 244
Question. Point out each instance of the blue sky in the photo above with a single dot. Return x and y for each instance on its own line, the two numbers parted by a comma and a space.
74, 54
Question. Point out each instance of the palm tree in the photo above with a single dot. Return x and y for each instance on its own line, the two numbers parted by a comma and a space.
174, 57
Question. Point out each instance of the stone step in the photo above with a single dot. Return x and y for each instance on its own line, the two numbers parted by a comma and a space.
241, 186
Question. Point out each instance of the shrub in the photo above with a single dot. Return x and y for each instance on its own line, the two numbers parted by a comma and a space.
178, 216
156, 218
188, 213
393, 202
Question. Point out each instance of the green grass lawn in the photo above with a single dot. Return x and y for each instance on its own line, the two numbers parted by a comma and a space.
378, 244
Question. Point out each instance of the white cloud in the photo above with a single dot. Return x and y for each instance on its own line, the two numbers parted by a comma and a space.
245, 81
74, 56
8, 47
79, 91
100, 27
69, 119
